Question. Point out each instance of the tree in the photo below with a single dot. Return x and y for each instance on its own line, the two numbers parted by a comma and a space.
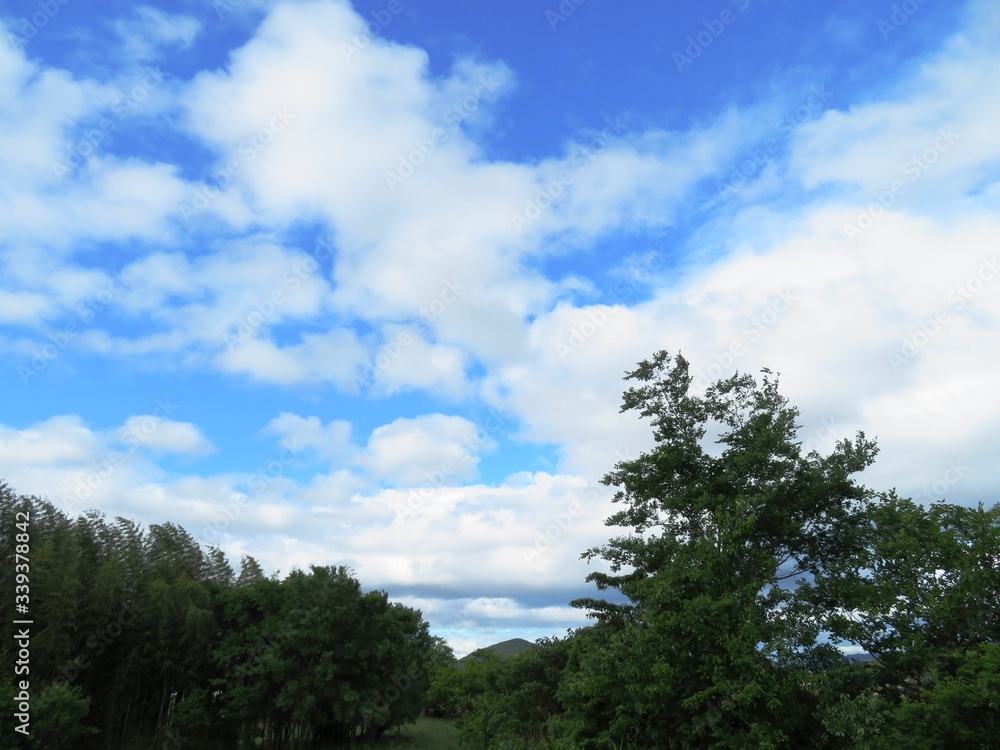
513, 700
250, 572
958, 708
62, 714
144, 639
717, 645
923, 597
926, 584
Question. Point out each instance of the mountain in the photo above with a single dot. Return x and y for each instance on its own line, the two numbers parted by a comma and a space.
513, 647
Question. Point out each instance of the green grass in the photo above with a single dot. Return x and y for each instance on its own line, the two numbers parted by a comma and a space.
427, 733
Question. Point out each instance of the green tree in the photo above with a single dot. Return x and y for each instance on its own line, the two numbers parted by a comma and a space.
924, 586
250, 572
715, 646
923, 597
61, 722
957, 708
513, 701
145, 640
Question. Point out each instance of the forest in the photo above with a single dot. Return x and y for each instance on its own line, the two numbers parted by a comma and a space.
744, 571
144, 638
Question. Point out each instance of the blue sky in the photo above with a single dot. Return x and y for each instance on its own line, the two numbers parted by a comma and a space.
357, 284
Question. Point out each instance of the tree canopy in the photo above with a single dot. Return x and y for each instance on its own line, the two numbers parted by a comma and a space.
748, 565
146, 638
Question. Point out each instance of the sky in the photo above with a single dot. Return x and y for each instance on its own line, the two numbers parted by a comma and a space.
357, 284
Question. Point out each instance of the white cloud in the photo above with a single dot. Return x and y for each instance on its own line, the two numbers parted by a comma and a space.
225, 299
149, 29
408, 361
481, 550
61, 186
57, 439
433, 449
934, 133
309, 432
502, 608
354, 119
334, 356
160, 435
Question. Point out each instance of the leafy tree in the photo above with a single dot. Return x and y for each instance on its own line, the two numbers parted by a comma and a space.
171, 553
923, 597
516, 702
250, 572
715, 638
217, 569
925, 585
145, 640
61, 722
959, 709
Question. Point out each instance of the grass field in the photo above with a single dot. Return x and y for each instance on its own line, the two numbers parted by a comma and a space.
426, 733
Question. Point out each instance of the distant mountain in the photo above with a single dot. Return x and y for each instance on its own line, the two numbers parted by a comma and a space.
513, 647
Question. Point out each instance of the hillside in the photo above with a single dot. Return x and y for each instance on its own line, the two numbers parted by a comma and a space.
512, 647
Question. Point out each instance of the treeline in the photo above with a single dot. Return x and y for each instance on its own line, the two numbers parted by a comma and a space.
745, 567
145, 638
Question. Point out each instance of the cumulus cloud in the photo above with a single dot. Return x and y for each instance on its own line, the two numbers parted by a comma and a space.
309, 432
57, 439
433, 449
160, 435
150, 29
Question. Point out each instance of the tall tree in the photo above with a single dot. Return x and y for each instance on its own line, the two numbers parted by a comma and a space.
714, 637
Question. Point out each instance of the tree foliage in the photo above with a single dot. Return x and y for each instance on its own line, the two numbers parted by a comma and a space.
145, 638
746, 562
